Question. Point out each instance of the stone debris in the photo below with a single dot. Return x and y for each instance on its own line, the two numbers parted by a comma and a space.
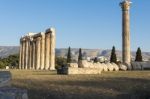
123, 67
85, 67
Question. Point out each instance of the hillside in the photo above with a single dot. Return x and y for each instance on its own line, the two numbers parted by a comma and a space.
62, 52
8, 50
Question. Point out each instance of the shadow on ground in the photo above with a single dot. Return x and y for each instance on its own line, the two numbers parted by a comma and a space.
100, 88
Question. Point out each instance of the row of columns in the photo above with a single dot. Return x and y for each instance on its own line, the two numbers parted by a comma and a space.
37, 51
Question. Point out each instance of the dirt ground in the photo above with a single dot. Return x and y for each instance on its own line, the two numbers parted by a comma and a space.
108, 85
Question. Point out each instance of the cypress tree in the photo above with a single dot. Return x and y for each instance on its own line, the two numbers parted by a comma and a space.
138, 57
69, 55
113, 58
80, 54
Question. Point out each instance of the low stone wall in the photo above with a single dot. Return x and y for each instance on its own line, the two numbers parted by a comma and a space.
140, 65
72, 70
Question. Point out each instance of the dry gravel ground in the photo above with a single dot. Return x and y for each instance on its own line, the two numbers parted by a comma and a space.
108, 85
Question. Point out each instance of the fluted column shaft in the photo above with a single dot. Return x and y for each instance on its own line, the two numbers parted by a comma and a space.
33, 55
47, 50
42, 51
27, 54
38, 49
30, 55
126, 55
52, 49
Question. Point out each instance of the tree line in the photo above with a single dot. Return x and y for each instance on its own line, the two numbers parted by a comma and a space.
13, 60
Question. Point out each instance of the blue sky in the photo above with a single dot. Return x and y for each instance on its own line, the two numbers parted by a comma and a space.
79, 23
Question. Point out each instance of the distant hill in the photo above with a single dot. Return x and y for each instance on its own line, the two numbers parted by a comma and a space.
62, 52
8, 50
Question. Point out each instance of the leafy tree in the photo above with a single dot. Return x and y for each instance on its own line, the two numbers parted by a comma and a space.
113, 58
138, 57
12, 60
60, 61
80, 54
69, 55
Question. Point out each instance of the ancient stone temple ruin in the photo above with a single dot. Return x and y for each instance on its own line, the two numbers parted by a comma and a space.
37, 50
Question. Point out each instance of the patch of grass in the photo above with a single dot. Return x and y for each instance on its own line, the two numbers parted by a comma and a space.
108, 85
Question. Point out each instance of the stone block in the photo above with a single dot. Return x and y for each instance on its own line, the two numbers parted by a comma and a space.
84, 70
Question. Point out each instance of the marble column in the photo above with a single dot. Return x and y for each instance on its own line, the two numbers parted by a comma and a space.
126, 55
20, 54
30, 55
52, 49
27, 53
33, 54
47, 50
42, 51
38, 49
23, 54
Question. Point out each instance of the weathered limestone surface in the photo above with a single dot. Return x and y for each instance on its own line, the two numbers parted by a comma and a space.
33, 55
26, 53
42, 51
126, 55
37, 51
52, 49
110, 67
84, 70
75, 65
47, 50
103, 66
85, 67
123, 67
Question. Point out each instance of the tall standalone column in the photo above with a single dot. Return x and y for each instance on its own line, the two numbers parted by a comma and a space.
42, 51
126, 55
52, 49
47, 49
38, 49
20, 54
